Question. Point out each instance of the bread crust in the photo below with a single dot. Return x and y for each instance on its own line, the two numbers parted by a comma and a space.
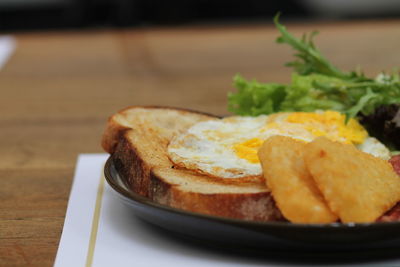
137, 138
114, 130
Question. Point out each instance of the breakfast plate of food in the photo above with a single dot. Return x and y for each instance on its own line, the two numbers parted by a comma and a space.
308, 165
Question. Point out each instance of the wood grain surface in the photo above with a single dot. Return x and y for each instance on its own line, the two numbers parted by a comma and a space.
58, 89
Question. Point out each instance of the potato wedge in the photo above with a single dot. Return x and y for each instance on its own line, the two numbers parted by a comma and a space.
292, 186
357, 186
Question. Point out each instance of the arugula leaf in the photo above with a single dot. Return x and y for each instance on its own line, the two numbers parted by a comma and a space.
311, 59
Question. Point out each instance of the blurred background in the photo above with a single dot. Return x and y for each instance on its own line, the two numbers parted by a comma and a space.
17, 15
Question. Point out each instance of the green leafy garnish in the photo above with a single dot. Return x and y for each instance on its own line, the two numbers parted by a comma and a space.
310, 59
316, 84
254, 98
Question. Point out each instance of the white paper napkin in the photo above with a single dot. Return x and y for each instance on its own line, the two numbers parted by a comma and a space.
7, 47
101, 231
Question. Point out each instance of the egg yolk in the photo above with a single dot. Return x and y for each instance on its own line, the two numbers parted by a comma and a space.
248, 149
330, 124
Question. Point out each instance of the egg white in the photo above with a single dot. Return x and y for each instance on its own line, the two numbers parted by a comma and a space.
207, 146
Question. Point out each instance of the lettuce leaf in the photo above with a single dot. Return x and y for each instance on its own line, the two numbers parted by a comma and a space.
254, 98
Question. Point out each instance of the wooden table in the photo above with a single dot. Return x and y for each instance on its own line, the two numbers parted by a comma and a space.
59, 88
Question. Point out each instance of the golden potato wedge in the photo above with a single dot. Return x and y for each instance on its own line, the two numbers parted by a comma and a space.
292, 186
357, 186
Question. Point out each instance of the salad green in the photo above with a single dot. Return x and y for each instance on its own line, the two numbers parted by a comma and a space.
315, 84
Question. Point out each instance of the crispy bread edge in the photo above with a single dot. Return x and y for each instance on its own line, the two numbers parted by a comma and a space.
115, 131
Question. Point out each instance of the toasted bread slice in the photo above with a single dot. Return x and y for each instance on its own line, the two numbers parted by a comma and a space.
137, 138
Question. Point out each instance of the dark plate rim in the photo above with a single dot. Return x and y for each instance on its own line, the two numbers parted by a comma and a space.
132, 196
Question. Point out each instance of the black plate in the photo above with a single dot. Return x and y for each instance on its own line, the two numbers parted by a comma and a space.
258, 235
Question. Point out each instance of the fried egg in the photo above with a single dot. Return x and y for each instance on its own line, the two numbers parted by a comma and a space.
227, 147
